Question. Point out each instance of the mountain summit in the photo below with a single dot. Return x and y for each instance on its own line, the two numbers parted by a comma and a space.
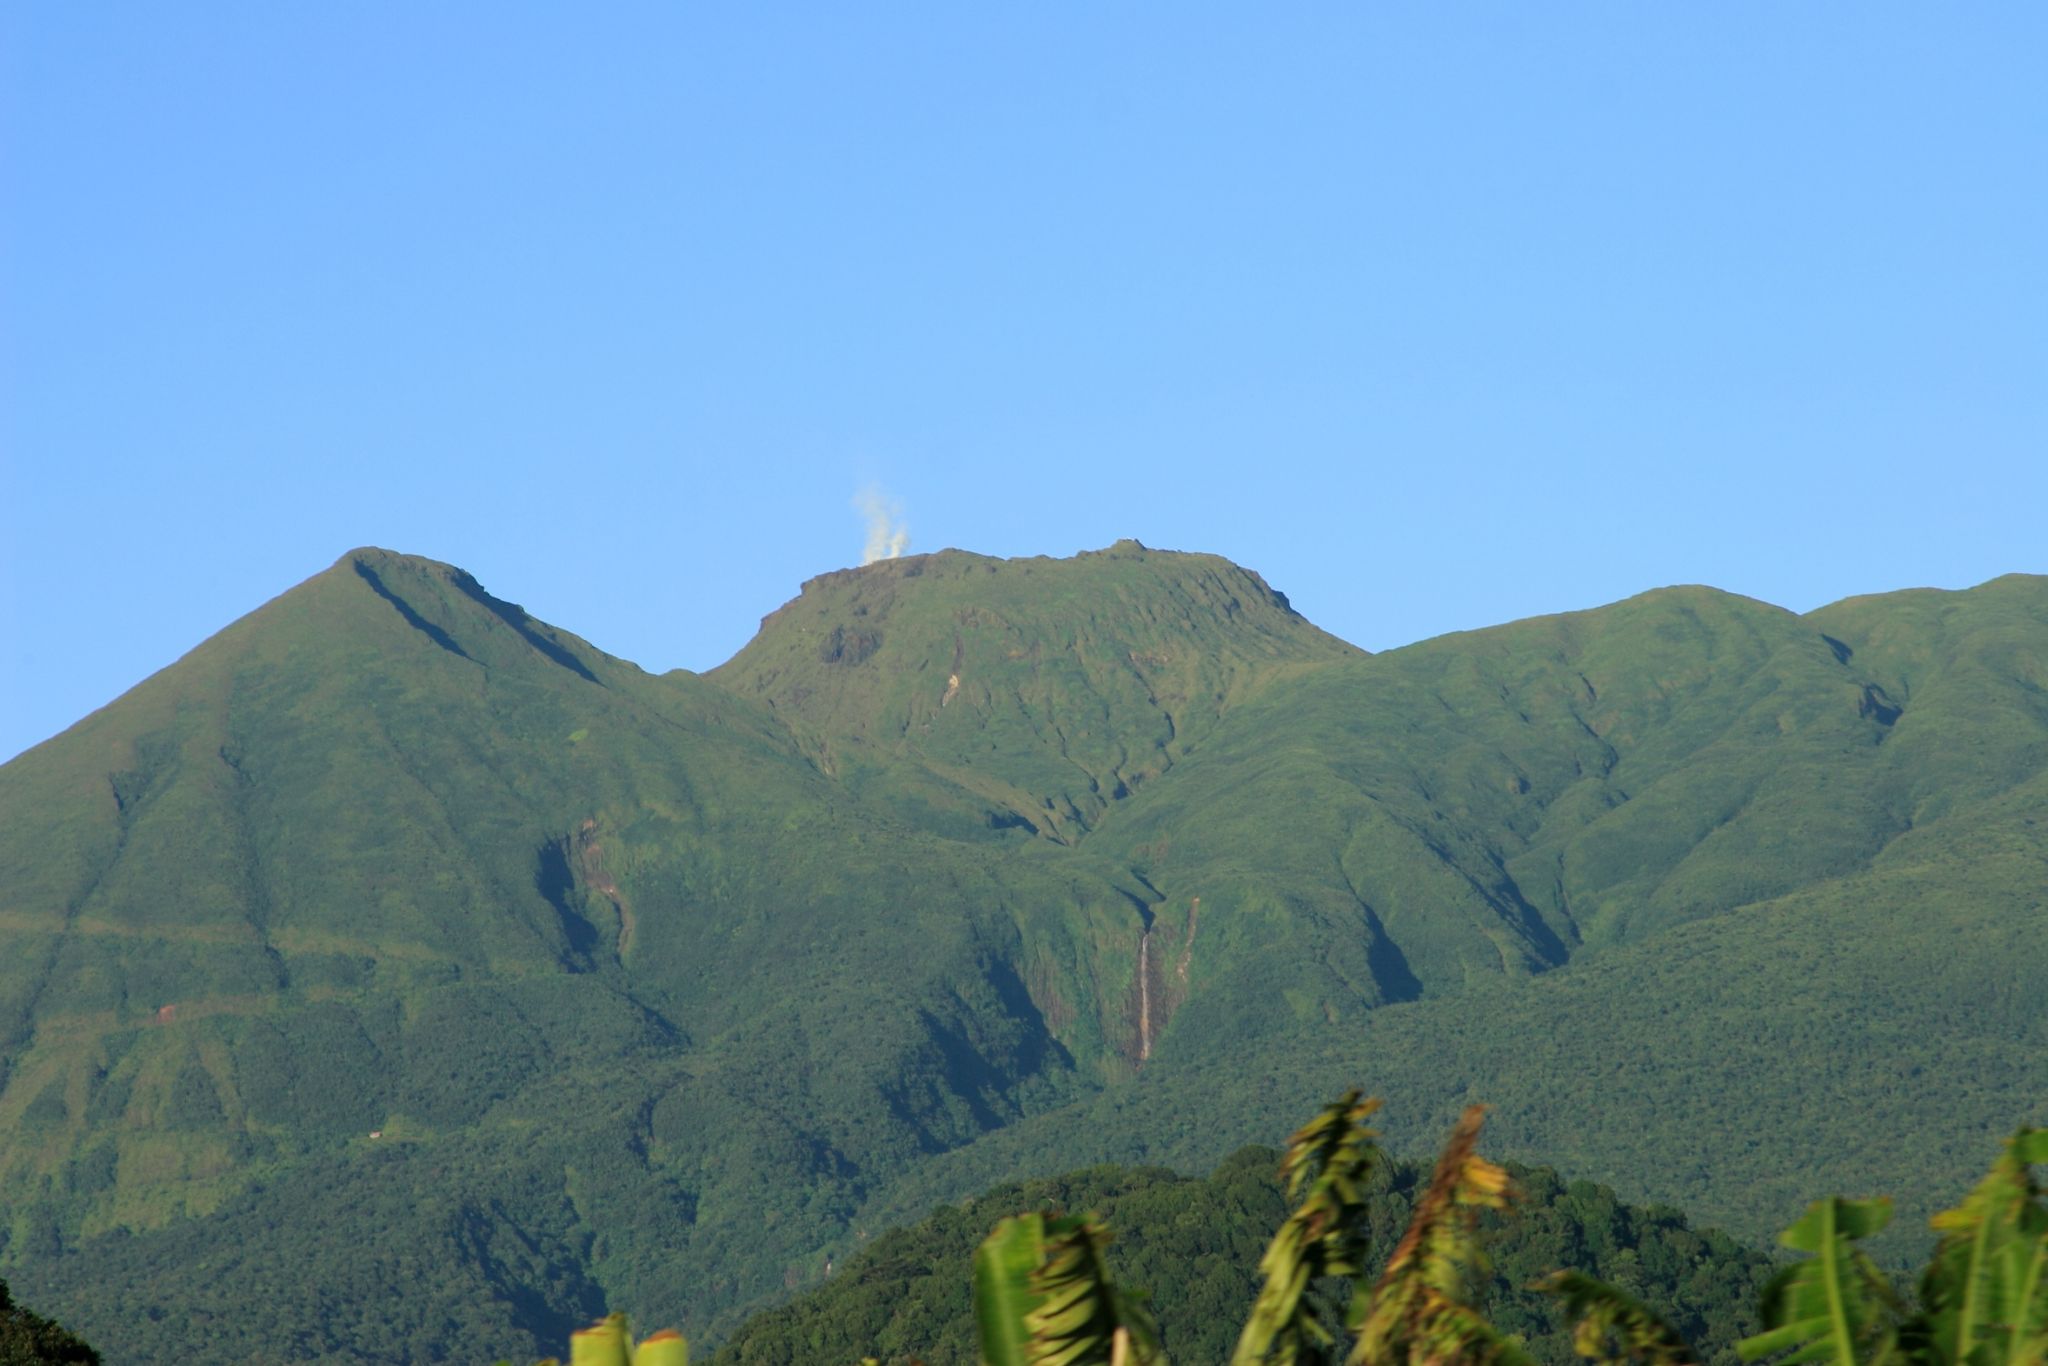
1044, 690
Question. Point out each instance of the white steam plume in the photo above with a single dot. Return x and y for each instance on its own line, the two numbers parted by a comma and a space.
888, 536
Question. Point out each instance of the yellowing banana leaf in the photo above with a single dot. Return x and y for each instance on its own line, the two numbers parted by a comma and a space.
601, 1344
666, 1348
1419, 1310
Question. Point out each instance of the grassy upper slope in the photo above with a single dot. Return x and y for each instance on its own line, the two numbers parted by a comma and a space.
657, 989
985, 694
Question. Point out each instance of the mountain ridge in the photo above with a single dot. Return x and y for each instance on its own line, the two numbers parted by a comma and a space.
695, 975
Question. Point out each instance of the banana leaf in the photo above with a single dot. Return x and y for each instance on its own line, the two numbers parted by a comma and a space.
1328, 1164
1834, 1307
1003, 1295
1420, 1310
1984, 1295
1083, 1319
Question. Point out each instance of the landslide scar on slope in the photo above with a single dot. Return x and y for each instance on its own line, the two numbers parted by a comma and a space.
570, 874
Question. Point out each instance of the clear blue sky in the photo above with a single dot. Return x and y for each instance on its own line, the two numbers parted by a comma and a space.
1436, 314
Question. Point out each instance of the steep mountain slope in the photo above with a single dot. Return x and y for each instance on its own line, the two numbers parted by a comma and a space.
1798, 865
388, 856
1876, 1035
1505, 801
656, 990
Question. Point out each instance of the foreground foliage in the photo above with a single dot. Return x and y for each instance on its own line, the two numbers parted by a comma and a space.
1044, 1297
1984, 1296
1198, 1244
29, 1339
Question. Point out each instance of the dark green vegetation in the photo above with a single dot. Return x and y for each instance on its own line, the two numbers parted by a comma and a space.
1195, 1243
29, 1339
1045, 1294
661, 990
1336, 1283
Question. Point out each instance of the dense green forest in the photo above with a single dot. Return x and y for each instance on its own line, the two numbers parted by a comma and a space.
1369, 1265
413, 968
1194, 1245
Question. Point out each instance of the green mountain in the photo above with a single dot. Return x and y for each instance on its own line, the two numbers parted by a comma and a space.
398, 975
1793, 866
389, 858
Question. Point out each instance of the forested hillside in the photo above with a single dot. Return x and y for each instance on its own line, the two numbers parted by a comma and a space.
1193, 1244
397, 967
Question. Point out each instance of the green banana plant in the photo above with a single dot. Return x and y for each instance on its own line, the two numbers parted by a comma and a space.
1003, 1296
1082, 1317
1418, 1311
664, 1348
1043, 1296
1835, 1306
1328, 1164
1611, 1328
1984, 1295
